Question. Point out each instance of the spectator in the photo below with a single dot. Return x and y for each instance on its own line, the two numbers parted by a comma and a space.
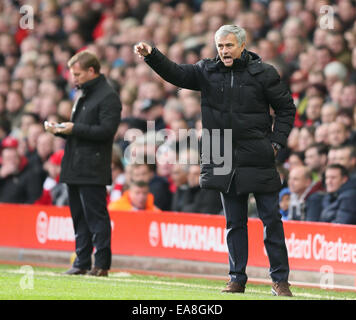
334, 71
191, 106
64, 110
332, 159
298, 85
306, 138
277, 14
284, 199
158, 186
152, 110
304, 200
173, 110
338, 134
353, 71
347, 13
337, 44
309, 108
313, 110
293, 140
316, 157
33, 132
348, 96
256, 25
137, 197
346, 117
328, 113
315, 76
321, 134
14, 107
339, 204
27, 119
335, 92
54, 192
165, 159
323, 56
44, 149
116, 190
268, 52
18, 184
346, 156
30, 88
5, 128
180, 180
293, 47
295, 159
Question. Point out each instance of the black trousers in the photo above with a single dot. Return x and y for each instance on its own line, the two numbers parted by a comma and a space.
91, 226
235, 210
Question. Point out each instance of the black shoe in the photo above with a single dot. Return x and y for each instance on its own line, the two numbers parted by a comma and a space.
98, 272
234, 287
75, 271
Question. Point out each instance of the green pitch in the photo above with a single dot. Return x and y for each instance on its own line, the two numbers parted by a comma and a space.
35, 283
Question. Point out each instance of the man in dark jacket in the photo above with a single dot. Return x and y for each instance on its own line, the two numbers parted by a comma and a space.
86, 165
237, 90
339, 204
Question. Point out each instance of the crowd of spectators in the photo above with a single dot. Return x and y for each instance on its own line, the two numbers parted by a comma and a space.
317, 62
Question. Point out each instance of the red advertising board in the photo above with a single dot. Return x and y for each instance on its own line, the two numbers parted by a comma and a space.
181, 235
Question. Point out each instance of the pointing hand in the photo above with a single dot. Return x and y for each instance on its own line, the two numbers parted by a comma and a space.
142, 49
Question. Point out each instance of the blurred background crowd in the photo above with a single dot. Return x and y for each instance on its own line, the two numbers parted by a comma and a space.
317, 62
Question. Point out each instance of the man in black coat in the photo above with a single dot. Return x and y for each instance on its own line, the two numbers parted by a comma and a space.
86, 165
339, 203
237, 90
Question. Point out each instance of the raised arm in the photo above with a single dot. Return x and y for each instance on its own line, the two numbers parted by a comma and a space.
181, 75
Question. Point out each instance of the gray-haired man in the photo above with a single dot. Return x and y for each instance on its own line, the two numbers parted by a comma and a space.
237, 89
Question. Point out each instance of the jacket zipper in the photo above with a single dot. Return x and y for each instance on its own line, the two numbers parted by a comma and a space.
230, 104
231, 95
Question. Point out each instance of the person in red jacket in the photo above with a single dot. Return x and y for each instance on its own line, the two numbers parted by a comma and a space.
54, 192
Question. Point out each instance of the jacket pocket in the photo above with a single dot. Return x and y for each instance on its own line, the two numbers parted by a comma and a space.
270, 150
96, 160
86, 162
210, 179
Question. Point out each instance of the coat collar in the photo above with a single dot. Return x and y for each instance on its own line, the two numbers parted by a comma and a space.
86, 86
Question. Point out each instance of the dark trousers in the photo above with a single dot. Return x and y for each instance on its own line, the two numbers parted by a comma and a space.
235, 210
91, 225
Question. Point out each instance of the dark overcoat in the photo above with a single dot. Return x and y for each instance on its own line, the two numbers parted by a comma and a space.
88, 150
236, 100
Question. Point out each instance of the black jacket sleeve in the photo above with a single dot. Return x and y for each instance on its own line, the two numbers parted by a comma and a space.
180, 75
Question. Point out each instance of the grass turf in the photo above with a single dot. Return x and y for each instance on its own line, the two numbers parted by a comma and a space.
38, 283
